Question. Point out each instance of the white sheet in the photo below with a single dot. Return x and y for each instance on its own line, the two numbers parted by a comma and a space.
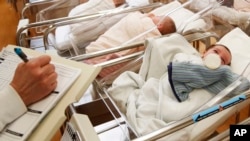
238, 42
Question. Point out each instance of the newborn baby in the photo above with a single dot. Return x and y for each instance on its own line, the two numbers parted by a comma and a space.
209, 71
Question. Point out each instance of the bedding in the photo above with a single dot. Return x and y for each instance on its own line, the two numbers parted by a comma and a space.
236, 14
146, 98
61, 37
93, 28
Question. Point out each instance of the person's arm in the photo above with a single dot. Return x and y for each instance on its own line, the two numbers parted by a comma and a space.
11, 106
32, 82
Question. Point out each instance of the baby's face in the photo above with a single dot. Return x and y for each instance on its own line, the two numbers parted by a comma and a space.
224, 54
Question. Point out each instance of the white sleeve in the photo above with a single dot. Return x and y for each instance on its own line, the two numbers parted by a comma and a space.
11, 106
138, 2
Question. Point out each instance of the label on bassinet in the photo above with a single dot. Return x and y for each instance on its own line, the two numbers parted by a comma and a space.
215, 109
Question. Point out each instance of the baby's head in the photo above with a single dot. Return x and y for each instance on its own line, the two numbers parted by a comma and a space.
118, 3
222, 51
165, 24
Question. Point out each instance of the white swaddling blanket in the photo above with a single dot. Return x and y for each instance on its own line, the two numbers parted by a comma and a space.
146, 98
181, 17
127, 28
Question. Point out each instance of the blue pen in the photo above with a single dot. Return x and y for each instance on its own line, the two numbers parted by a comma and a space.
21, 54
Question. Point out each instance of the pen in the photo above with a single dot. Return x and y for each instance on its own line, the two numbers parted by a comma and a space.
21, 54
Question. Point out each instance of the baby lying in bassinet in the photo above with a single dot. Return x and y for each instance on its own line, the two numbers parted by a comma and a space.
187, 72
147, 99
135, 24
132, 25
91, 28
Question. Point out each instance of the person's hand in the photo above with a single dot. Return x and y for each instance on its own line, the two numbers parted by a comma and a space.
35, 79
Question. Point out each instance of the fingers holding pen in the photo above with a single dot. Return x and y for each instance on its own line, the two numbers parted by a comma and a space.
49, 75
52, 79
48, 69
43, 60
39, 67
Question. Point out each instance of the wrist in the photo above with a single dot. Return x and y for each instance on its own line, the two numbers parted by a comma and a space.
19, 93
15, 97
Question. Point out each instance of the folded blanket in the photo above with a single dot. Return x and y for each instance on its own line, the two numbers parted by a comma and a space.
184, 77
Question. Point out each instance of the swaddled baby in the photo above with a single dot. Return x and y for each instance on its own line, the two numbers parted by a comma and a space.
209, 71
131, 26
